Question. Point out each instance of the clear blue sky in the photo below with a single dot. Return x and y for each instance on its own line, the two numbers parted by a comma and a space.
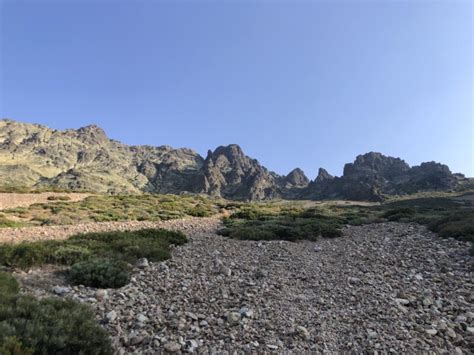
296, 84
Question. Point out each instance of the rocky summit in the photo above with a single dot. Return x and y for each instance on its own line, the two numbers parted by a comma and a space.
85, 159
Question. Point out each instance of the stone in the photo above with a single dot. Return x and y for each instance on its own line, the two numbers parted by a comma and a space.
431, 331
427, 301
226, 271
303, 333
172, 347
141, 318
354, 280
163, 267
402, 301
371, 334
191, 346
451, 333
101, 294
60, 291
233, 318
111, 316
135, 339
246, 312
142, 263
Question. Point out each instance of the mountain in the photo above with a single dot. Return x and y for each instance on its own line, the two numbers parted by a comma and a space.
85, 159
374, 175
33, 155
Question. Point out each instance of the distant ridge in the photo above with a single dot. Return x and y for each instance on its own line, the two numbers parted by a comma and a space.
33, 155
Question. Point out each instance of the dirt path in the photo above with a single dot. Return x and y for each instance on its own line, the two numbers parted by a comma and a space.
12, 200
386, 287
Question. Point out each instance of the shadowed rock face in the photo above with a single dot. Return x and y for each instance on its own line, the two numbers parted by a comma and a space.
86, 159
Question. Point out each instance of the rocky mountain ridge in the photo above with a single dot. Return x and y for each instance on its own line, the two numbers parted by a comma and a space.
33, 155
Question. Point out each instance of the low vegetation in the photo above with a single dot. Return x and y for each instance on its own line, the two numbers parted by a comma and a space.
49, 326
8, 223
106, 208
447, 215
97, 259
280, 221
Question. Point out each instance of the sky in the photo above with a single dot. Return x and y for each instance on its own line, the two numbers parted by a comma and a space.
304, 84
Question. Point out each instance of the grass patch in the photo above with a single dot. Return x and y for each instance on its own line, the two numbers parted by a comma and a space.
82, 251
107, 208
49, 326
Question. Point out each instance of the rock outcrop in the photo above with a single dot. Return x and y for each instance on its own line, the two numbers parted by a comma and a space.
373, 176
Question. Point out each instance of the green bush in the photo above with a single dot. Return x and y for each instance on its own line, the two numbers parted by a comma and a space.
59, 198
282, 228
26, 254
12, 346
100, 273
69, 254
459, 225
8, 285
128, 246
49, 326
398, 214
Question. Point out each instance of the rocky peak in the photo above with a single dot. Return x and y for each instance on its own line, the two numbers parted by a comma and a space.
229, 173
376, 163
231, 151
92, 133
323, 176
297, 177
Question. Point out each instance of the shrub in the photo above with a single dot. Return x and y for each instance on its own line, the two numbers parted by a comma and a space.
8, 285
59, 198
49, 326
12, 346
25, 254
459, 225
398, 214
101, 273
282, 228
69, 254
128, 246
